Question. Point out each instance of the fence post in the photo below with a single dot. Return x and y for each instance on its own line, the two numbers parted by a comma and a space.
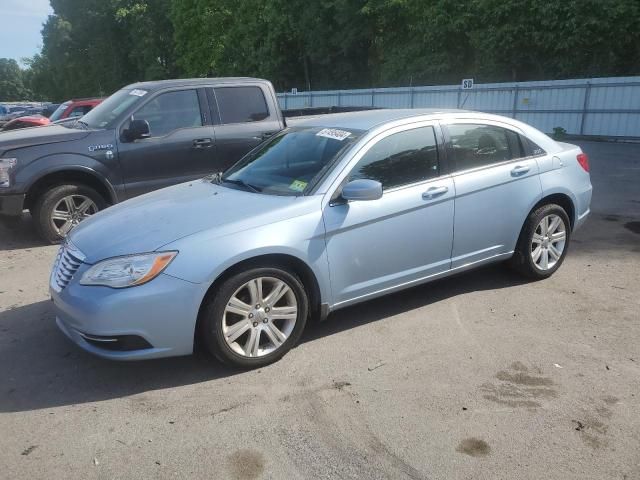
459, 95
310, 99
373, 98
339, 98
585, 104
515, 101
411, 97
285, 100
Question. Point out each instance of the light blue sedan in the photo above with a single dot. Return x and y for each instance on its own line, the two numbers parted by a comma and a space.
332, 211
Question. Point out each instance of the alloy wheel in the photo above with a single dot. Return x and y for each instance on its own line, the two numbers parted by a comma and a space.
548, 242
259, 317
70, 211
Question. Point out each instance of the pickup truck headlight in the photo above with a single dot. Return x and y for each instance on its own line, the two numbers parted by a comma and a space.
6, 164
127, 271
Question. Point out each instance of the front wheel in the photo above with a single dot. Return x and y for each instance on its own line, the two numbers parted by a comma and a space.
543, 242
62, 207
255, 317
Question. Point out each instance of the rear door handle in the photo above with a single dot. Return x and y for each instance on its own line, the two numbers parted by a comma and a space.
434, 192
202, 143
519, 170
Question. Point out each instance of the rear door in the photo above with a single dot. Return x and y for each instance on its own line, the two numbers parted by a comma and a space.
496, 185
181, 145
243, 120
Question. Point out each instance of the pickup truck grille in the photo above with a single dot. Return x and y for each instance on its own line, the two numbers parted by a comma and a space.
67, 263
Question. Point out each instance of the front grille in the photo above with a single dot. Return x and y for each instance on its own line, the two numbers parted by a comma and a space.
67, 263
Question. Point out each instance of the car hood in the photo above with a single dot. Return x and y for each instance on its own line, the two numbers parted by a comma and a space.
147, 223
38, 136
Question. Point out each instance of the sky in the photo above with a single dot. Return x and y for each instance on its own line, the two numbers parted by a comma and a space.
20, 25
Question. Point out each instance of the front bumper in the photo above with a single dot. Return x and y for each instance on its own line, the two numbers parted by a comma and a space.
11, 205
158, 318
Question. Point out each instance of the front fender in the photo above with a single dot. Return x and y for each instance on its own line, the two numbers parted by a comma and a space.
56, 163
203, 257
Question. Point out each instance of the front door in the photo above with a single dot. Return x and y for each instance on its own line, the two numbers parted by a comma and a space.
405, 236
181, 145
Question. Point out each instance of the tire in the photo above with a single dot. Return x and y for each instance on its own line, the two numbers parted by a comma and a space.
524, 258
217, 322
43, 209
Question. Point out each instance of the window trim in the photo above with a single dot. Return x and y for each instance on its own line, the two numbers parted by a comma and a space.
153, 96
361, 150
218, 111
476, 121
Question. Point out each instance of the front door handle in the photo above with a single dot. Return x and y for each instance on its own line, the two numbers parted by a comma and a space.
434, 192
519, 170
202, 143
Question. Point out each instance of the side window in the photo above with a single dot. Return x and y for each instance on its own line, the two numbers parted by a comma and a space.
400, 159
477, 145
241, 104
171, 111
531, 148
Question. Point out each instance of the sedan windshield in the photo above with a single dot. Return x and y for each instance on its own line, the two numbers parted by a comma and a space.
105, 114
291, 162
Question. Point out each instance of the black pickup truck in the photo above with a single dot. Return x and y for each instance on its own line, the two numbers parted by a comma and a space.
143, 137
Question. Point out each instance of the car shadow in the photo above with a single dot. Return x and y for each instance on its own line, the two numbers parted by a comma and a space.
19, 234
41, 368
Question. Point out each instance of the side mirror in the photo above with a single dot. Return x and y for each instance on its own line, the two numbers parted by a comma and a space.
362, 189
137, 129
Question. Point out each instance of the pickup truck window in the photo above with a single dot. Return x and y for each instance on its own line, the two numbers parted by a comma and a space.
241, 104
290, 161
171, 111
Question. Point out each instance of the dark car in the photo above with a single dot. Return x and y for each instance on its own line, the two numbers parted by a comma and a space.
143, 137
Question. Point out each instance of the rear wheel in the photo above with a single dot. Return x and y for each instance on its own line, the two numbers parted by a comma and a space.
543, 242
60, 208
255, 317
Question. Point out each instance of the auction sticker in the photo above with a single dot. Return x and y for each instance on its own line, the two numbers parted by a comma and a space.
333, 133
138, 93
298, 185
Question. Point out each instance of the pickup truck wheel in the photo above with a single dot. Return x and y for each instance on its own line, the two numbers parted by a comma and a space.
62, 207
543, 242
255, 317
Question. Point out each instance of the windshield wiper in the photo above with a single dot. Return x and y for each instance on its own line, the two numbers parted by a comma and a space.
84, 124
242, 183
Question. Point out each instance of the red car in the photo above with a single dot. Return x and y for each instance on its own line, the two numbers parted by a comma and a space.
68, 109
74, 108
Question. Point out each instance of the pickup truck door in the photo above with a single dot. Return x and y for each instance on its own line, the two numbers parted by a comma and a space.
181, 145
244, 116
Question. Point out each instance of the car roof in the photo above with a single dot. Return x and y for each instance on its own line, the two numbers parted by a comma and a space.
180, 82
369, 119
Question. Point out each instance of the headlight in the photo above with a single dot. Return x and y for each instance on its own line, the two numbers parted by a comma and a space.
127, 271
6, 164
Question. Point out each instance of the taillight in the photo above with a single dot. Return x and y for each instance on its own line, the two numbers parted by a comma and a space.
583, 160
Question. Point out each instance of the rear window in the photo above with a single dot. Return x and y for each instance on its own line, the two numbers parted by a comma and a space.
241, 104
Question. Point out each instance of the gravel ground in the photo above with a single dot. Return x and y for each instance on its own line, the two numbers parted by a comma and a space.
478, 376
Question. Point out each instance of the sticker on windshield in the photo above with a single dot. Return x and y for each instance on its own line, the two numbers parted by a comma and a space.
138, 93
298, 185
333, 133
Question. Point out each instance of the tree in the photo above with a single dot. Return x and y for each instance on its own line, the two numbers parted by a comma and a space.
11, 83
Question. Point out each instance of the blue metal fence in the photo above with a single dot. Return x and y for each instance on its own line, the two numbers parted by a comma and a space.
593, 106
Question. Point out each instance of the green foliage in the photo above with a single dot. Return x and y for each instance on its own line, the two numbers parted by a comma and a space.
11, 81
92, 47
